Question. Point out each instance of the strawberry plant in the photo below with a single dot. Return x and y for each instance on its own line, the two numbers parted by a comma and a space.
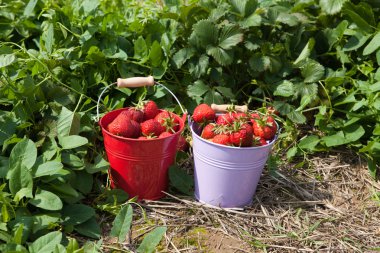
315, 62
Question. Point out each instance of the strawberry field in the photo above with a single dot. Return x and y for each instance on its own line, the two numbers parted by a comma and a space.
314, 62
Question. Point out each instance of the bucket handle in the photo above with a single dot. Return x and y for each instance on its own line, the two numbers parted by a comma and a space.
225, 107
135, 82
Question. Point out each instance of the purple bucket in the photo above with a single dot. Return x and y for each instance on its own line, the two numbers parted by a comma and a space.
226, 176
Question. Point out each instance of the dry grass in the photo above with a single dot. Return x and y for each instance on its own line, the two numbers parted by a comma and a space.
328, 207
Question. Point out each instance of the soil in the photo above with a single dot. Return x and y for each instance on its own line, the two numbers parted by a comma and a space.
330, 204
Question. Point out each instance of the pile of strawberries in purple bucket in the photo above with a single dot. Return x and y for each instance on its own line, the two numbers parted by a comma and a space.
237, 129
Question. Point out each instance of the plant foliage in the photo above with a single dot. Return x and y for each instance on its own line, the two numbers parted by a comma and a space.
316, 62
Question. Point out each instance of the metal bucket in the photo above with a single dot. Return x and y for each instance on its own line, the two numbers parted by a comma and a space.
139, 167
226, 176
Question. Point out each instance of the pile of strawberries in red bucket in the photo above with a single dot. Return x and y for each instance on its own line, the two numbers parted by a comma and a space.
145, 121
237, 129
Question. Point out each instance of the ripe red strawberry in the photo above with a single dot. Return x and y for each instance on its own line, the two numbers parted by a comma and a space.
223, 139
168, 121
203, 113
241, 135
164, 134
254, 116
259, 141
135, 114
150, 109
265, 127
239, 116
225, 119
122, 125
151, 127
208, 131
182, 144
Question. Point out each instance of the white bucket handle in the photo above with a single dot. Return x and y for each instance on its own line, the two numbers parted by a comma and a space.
134, 82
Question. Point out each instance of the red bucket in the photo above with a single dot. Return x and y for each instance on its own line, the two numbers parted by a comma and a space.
140, 167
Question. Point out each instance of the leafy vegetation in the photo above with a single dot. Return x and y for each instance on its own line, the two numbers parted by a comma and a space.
316, 62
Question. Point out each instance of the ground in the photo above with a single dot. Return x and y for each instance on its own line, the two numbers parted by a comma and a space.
331, 205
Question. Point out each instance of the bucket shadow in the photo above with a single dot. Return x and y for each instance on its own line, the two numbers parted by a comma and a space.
284, 189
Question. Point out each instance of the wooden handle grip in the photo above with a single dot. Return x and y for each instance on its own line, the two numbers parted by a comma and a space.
224, 108
134, 82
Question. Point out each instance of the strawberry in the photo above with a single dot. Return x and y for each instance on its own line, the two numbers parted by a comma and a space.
150, 109
241, 135
203, 113
225, 119
164, 134
208, 131
182, 144
265, 127
223, 139
272, 110
151, 128
259, 141
135, 114
168, 121
239, 116
122, 125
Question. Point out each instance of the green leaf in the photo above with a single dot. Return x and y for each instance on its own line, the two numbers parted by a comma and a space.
68, 123
291, 152
197, 89
47, 169
43, 221
46, 200
156, 55
72, 160
100, 164
223, 57
230, 36
305, 53
296, 117
72, 141
331, 7
28, 11
213, 97
180, 180
352, 11
73, 246
312, 71
89, 228
7, 59
182, 56
7, 128
356, 41
259, 62
48, 36
349, 134
200, 67
309, 143
46, 243
89, 6
284, 89
251, 21
205, 33
76, 214
17, 236
19, 177
372, 168
122, 223
141, 50
151, 240
225, 91
373, 45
